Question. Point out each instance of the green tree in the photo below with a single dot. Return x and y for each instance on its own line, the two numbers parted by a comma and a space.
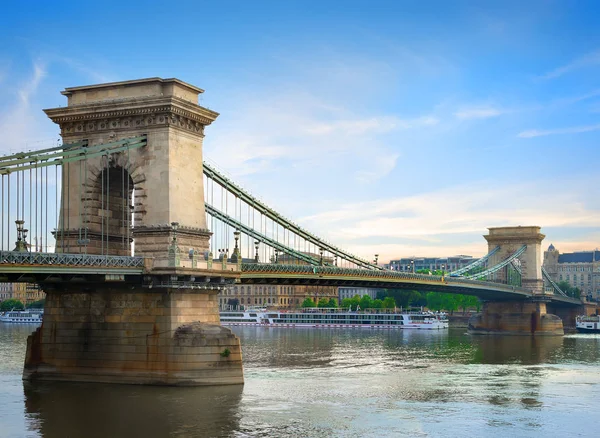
366, 302
389, 303
377, 304
568, 289
37, 304
11, 304
332, 303
381, 294
323, 302
404, 298
308, 302
435, 301
450, 302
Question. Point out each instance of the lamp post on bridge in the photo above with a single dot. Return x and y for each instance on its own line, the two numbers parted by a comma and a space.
256, 258
376, 258
21, 243
412, 266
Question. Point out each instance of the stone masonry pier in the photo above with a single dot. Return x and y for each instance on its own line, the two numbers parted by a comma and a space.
161, 327
133, 335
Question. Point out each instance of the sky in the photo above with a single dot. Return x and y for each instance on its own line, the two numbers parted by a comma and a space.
400, 128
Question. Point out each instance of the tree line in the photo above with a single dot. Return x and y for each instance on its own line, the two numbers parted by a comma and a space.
391, 298
14, 304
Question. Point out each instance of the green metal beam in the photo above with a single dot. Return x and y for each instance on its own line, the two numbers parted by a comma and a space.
259, 236
71, 155
19, 155
258, 205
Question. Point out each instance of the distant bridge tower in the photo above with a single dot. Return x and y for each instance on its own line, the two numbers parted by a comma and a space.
510, 239
165, 177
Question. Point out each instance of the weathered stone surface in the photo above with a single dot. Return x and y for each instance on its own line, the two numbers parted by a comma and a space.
510, 239
165, 176
145, 336
515, 318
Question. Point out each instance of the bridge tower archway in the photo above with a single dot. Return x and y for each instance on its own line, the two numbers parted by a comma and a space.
510, 240
166, 173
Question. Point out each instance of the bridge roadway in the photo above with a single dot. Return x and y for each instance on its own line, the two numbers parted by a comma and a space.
57, 267
333, 276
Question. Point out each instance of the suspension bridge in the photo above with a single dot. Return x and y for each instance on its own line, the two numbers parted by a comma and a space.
132, 236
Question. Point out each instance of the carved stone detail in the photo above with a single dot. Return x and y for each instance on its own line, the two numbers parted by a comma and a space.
114, 121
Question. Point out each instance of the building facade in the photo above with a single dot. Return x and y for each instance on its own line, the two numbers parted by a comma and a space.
26, 293
350, 292
579, 269
274, 296
447, 264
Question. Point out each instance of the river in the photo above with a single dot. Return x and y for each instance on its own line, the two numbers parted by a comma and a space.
330, 382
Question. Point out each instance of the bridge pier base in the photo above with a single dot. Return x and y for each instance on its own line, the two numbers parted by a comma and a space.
133, 335
516, 318
570, 314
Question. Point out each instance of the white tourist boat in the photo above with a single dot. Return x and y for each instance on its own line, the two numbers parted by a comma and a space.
22, 316
588, 324
336, 318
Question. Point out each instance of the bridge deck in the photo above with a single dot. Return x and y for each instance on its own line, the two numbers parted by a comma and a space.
32, 267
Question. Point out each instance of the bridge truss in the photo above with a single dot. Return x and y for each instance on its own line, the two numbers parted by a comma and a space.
34, 202
33, 196
269, 236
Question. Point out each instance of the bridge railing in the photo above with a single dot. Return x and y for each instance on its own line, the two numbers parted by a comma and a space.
62, 259
331, 270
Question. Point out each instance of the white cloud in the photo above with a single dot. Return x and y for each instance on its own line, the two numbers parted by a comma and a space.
573, 130
302, 130
451, 220
373, 124
479, 113
18, 120
589, 59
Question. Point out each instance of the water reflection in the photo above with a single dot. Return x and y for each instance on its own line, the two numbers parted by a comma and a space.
96, 410
325, 383
526, 350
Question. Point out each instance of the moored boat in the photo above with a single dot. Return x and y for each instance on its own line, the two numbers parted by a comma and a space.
22, 316
336, 318
588, 324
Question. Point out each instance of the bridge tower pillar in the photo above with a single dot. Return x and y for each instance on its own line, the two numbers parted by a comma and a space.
165, 177
524, 317
161, 327
510, 239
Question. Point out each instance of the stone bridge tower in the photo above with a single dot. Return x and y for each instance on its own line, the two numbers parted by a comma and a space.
510, 239
160, 325
165, 176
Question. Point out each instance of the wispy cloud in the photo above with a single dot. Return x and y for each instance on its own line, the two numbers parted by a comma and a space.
289, 128
373, 124
17, 120
316, 128
416, 221
575, 99
483, 112
572, 130
589, 59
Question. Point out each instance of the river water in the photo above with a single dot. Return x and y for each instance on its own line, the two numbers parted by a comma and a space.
331, 382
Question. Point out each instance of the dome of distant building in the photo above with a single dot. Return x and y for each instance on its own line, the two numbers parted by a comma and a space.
551, 248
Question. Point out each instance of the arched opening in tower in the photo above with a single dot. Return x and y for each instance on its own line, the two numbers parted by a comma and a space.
110, 212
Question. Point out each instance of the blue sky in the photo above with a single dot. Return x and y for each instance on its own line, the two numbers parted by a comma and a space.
398, 128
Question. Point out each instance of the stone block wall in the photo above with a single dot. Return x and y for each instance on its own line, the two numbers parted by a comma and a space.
515, 318
139, 336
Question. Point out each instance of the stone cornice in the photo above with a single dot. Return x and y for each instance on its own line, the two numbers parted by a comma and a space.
182, 230
132, 115
129, 107
525, 239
